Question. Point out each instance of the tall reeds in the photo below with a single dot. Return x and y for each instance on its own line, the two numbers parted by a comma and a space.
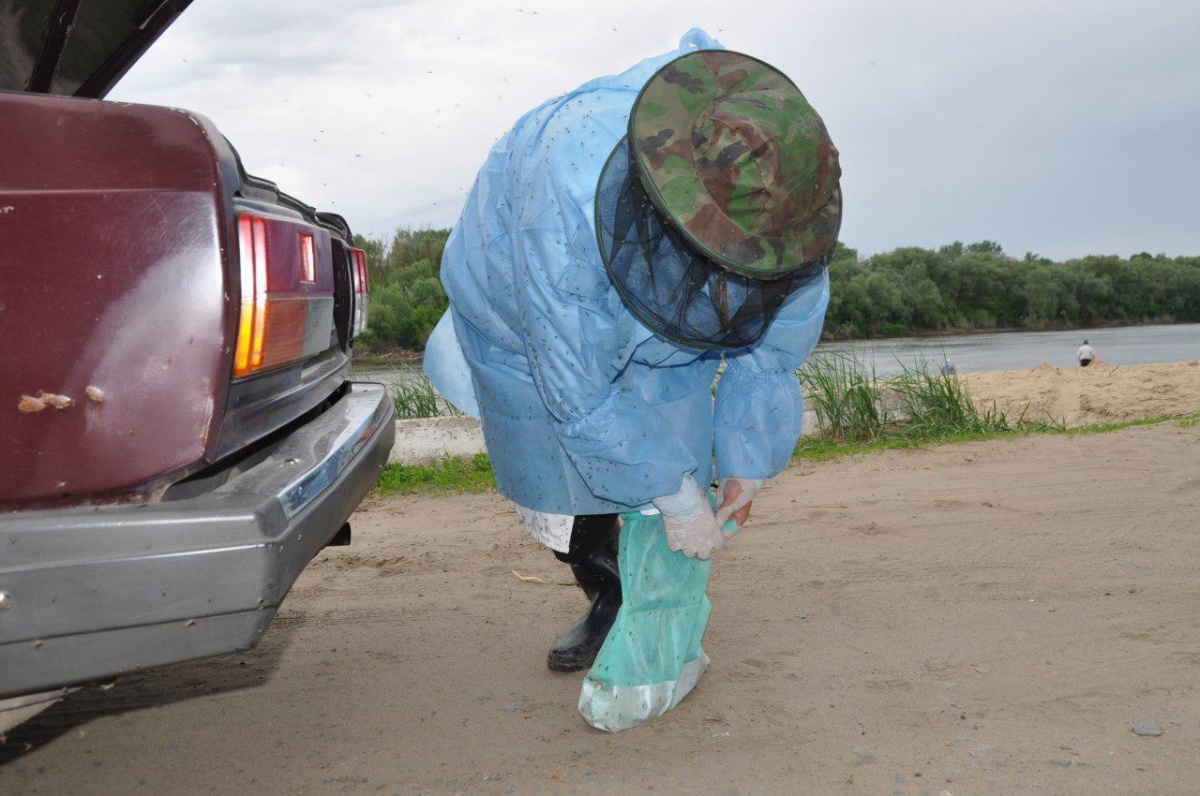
413, 394
920, 405
844, 393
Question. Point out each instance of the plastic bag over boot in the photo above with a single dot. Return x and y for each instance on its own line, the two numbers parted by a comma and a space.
652, 657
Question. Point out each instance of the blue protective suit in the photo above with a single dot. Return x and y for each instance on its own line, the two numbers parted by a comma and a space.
584, 409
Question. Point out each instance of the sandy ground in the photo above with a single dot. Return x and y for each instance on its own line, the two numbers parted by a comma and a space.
1099, 393
979, 618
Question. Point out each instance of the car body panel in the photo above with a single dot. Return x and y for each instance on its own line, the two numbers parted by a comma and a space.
123, 220
115, 296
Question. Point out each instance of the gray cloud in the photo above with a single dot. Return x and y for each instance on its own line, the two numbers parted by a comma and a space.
1064, 128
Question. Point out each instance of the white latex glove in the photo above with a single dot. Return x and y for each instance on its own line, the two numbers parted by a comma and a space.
688, 519
750, 488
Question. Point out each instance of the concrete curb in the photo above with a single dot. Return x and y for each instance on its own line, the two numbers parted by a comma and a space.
430, 439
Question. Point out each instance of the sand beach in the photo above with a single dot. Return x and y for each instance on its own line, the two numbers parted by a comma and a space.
1099, 393
1003, 617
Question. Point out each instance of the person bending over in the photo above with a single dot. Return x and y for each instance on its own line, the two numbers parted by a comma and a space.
620, 243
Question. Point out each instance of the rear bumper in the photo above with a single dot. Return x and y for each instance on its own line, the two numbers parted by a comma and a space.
93, 593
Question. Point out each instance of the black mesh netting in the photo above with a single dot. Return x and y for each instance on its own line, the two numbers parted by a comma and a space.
670, 286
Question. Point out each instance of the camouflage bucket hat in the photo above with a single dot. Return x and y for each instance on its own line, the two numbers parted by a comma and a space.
732, 154
707, 231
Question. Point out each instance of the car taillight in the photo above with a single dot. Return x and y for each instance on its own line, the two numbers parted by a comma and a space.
286, 311
362, 290
308, 258
252, 328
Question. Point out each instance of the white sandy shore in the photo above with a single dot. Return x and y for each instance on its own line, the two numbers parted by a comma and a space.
1099, 393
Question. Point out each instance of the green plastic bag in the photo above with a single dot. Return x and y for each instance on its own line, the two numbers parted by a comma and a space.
652, 657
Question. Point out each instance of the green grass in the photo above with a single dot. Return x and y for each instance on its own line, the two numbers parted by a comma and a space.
820, 449
823, 448
452, 474
1185, 421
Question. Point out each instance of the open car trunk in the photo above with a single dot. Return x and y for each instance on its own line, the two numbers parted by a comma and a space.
79, 48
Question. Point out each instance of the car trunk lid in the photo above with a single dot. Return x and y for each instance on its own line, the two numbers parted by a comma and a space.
78, 48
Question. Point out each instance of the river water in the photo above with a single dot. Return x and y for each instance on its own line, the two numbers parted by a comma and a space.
1124, 345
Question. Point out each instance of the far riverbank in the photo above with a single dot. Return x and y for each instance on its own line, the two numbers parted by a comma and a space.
1119, 345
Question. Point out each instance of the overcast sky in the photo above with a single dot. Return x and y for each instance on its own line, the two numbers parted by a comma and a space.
1062, 127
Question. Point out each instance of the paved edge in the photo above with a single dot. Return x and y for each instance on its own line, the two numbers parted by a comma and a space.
427, 440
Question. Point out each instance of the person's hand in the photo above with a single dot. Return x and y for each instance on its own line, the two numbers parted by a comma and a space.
688, 519
734, 496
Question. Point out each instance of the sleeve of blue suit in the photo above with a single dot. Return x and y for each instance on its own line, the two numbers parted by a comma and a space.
759, 405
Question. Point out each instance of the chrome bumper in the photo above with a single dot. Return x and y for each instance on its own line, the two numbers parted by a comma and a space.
93, 593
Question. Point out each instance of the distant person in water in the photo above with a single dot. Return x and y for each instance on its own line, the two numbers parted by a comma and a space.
1085, 354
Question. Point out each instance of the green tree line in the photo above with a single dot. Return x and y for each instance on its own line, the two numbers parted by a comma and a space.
406, 294
977, 286
906, 291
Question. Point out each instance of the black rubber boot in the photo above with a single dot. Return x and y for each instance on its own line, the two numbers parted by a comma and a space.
593, 560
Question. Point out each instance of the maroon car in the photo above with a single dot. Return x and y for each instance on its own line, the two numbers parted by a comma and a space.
179, 432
